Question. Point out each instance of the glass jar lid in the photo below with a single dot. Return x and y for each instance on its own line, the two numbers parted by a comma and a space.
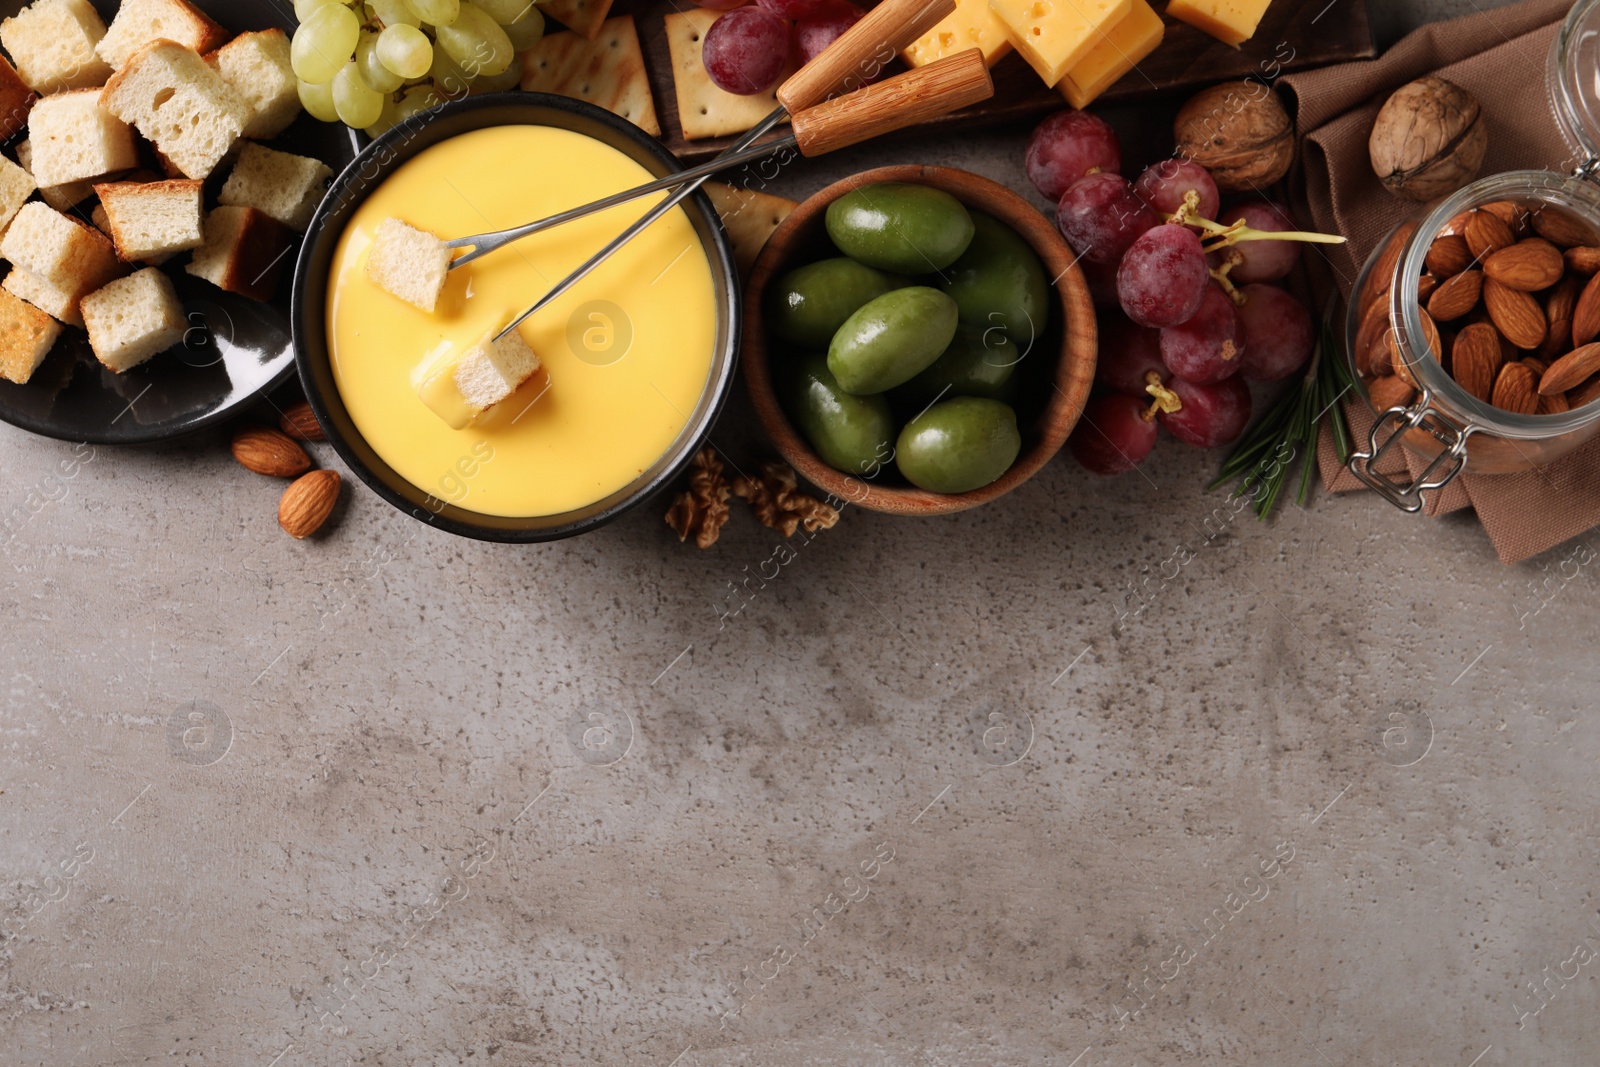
1574, 78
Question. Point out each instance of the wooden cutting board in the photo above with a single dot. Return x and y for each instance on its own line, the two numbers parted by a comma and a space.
1293, 35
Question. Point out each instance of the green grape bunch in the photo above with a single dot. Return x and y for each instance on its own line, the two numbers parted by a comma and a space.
372, 64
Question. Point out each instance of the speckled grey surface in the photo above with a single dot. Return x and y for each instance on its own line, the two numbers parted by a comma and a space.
1011, 787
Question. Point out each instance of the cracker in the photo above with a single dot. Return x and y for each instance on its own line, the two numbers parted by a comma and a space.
585, 17
749, 217
607, 71
703, 109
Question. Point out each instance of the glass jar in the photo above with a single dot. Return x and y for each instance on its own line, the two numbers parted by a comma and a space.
1456, 425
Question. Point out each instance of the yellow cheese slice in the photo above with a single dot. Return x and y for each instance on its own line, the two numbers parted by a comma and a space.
972, 25
1123, 47
1229, 21
1055, 35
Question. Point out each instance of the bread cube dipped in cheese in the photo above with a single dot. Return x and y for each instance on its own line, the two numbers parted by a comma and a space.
257, 66
1229, 21
152, 220
73, 139
180, 104
138, 23
1123, 47
27, 335
1055, 35
53, 43
285, 186
409, 263
459, 384
133, 319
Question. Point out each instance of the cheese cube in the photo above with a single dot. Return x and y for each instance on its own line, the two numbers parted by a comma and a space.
1055, 35
1229, 21
1124, 47
972, 25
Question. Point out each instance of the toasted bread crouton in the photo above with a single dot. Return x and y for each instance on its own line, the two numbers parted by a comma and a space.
244, 252
48, 297
59, 249
285, 186
141, 22
16, 186
53, 42
133, 318
61, 197
26, 337
74, 139
154, 219
409, 263
459, 385
257, 65
16, 100
183, 106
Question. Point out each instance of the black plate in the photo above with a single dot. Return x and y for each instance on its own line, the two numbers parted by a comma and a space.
235, 349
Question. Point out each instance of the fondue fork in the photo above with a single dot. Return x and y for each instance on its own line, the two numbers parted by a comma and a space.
847, 64
921, 94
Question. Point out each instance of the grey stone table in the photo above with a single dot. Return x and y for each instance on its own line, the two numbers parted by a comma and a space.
937, 795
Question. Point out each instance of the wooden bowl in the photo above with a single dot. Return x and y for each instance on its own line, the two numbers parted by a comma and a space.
803, 238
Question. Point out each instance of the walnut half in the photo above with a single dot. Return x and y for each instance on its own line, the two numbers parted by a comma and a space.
702, 509
780, 505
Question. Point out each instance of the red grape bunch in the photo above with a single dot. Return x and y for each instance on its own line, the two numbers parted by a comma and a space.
1189, 311
747, 50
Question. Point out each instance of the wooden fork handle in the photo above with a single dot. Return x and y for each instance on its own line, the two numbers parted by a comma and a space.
905, 100
862, 52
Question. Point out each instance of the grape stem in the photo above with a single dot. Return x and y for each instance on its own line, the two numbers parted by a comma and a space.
1164, 399
1220, 276
1219, 236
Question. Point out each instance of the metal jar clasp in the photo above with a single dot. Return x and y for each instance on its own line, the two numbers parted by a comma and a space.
1410, 494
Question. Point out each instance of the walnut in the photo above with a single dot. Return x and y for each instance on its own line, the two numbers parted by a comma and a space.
702, 509
780, 505
1429, 140
1240, 132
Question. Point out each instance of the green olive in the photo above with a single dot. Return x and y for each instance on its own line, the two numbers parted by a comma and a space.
959, 445
999, 282
892, 339
914, 229
853, 434
977, 363
807, 306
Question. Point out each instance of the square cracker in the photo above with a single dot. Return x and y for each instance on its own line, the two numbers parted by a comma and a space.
703, 109
585, 17
749, 217
607, 71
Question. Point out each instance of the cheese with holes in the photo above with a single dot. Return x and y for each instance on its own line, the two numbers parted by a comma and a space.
1229, 21
1055, 35
1124, 47
972, 25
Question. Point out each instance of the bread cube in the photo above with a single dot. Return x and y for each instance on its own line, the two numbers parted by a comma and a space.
285, 186
155, 219
16, 100
53, 42
409, 263
140, 22
61, 197
244, 252
59, 249
133, 318
26, 337
258, 68
459, 385
183, 106
54, 300
16, 186
74, 139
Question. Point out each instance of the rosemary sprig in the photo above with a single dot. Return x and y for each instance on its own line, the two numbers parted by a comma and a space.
1288, 433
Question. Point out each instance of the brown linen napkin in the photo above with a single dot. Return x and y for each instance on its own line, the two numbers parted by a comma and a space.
1500, 56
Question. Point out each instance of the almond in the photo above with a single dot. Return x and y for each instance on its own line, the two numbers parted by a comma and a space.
1586, 314
300, 423
1475, 359
1558, 227
1427, 285
1515, 216
1571, 370
1386, 393
1582, 260
1429, 340
1528, 266
1554, 405
1514, 390
1538, 366
270, 452
1515, 314
308, 502
1372, 345
1562, 300
1586, 393
1456, 296
1383, 268
1448, 255
1486, 233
